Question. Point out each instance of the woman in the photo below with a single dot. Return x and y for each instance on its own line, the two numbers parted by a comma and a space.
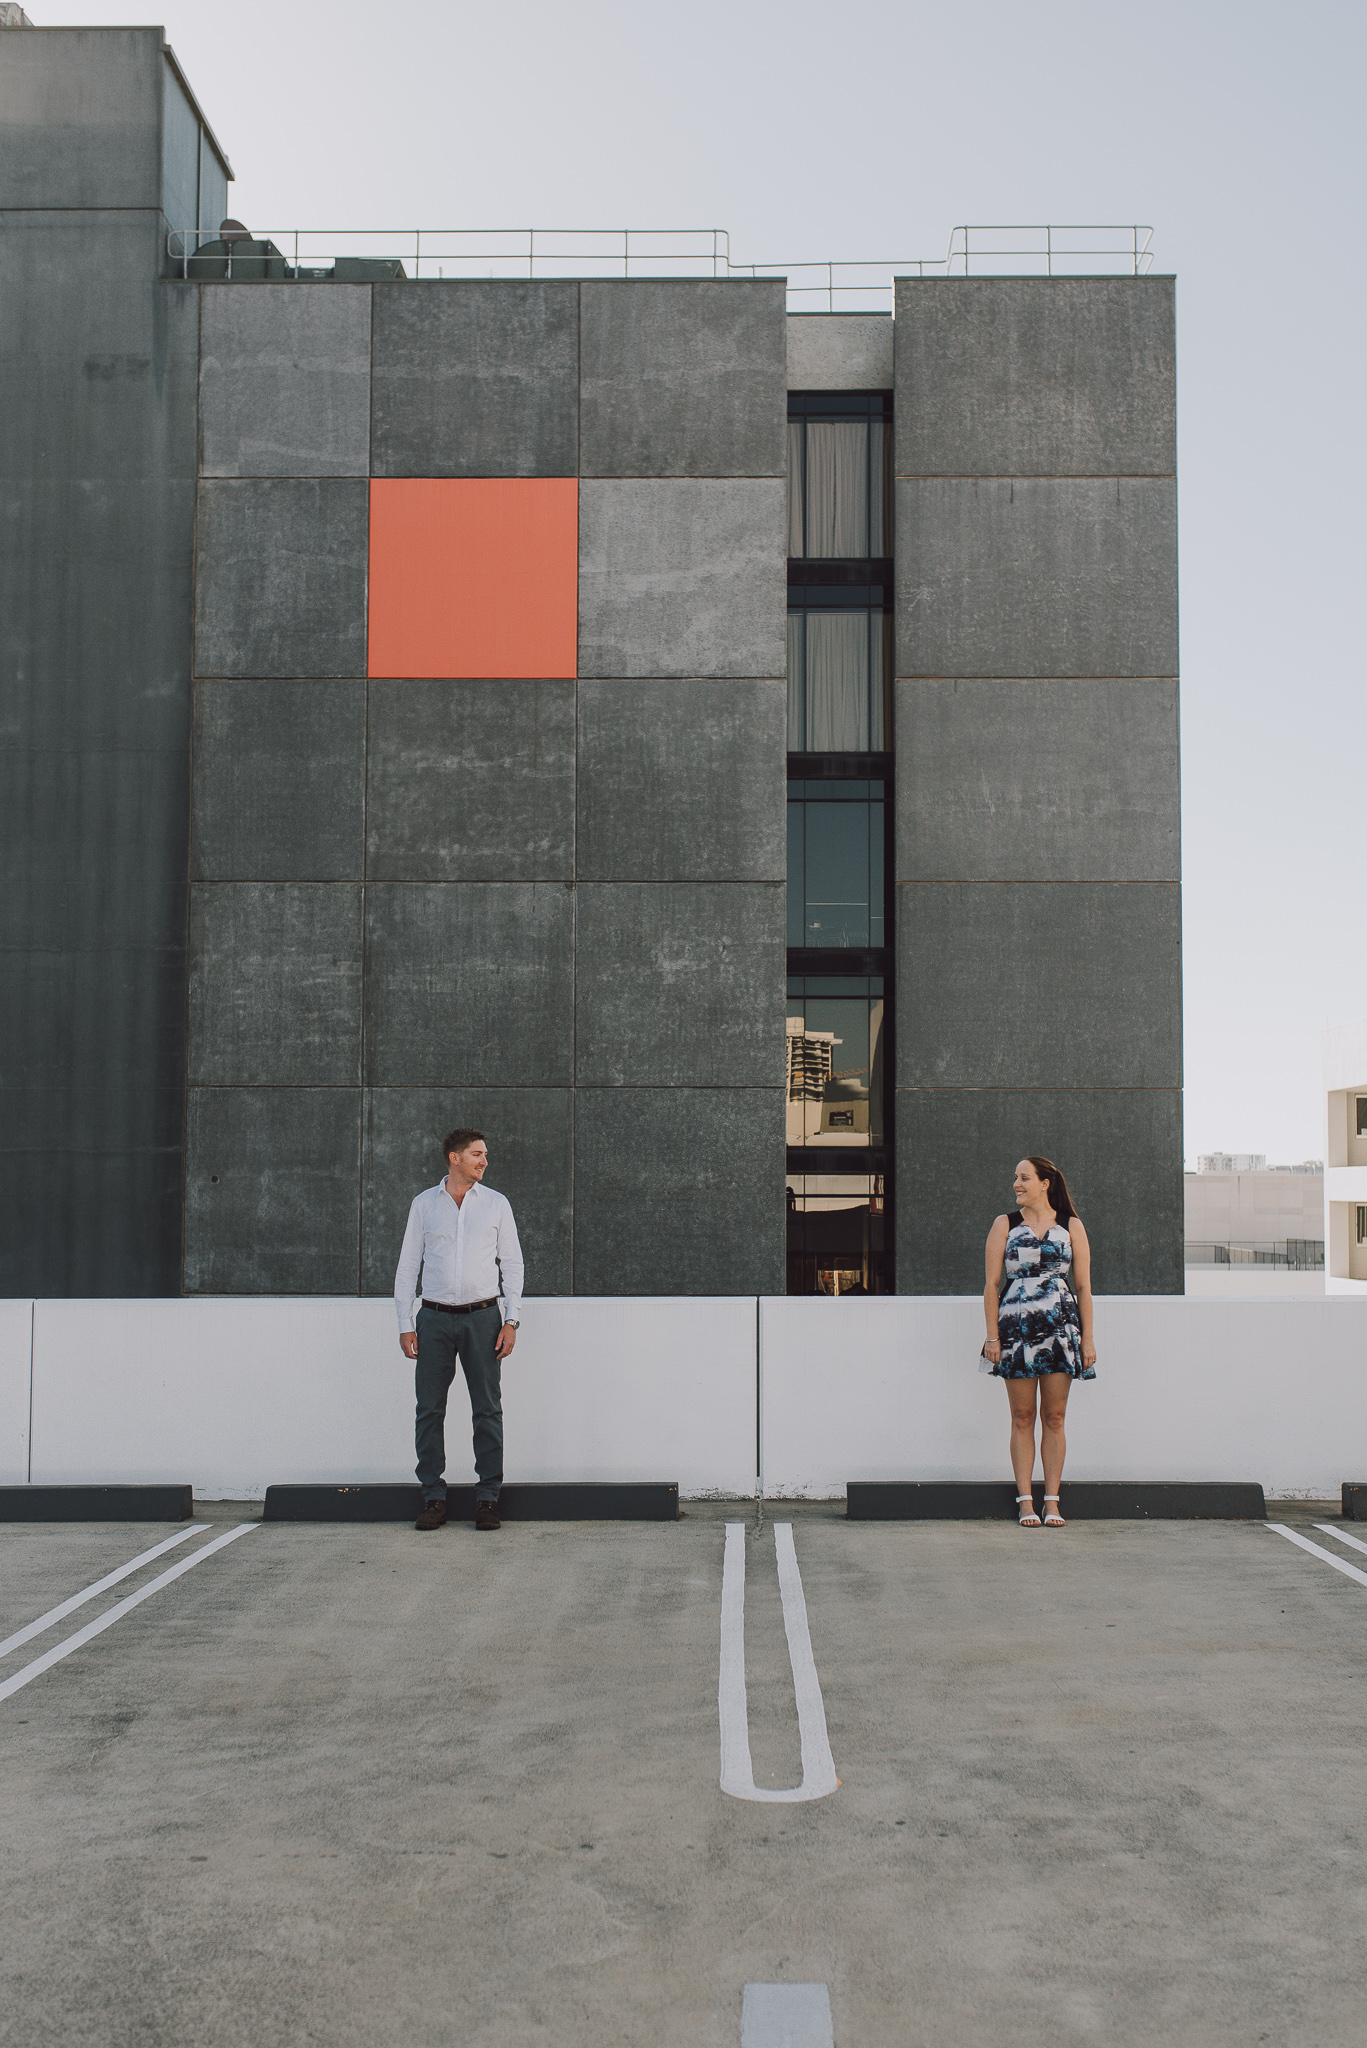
1039, 1330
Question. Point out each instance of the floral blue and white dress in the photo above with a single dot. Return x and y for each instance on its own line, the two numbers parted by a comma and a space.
1037, 1316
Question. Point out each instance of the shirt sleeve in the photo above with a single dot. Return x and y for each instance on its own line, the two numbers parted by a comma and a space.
410, 1263
511, 1270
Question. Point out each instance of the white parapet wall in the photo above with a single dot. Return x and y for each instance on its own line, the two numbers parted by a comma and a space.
1267, 1390
234, 1394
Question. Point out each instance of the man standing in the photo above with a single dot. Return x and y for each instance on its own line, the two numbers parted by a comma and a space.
463, 1238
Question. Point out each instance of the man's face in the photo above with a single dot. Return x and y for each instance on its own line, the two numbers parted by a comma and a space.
472, 1162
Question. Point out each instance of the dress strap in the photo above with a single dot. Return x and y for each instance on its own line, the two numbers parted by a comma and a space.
1013, 1219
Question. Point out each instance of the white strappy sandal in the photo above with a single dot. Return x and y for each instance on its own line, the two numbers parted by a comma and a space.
1029, 1520
1054, 1521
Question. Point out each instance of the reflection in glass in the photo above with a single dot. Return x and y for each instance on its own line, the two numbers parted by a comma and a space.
835, 864
835, 1234
838, 681
835, 1063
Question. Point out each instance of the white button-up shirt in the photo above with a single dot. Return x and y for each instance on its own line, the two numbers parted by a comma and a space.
465, 1252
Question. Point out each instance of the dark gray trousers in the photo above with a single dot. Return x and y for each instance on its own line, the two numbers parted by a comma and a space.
442, 1338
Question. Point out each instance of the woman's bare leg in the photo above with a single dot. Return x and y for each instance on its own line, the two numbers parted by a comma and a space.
1021, 1395
1053, 1400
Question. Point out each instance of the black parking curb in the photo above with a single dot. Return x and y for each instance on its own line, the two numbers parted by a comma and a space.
96, 1503
532, 1501
936, 1500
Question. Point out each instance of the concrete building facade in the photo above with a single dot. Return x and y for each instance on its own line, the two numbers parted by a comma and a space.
1345, 1157
406, 682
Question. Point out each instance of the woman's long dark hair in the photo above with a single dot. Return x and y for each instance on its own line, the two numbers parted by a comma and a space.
1060, 1201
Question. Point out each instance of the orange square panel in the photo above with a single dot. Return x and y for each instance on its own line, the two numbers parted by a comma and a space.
474, 576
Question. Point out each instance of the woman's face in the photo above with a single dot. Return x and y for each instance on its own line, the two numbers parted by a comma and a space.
1030, 1189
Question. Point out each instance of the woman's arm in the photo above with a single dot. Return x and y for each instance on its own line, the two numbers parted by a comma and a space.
996, 1252
1082, 1285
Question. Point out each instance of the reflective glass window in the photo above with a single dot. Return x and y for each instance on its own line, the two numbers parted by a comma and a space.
835, 1063
836, 1234
835, 865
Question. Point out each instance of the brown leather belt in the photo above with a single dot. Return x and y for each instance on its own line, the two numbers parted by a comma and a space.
461, 1308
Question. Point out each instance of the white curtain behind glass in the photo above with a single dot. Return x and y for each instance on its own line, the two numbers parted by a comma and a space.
837, 682
877, 445
837, 489
797, 684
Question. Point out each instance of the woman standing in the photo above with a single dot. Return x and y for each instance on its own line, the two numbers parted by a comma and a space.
1039, 1328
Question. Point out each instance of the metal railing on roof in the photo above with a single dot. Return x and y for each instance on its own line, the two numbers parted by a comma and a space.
860, 285
1300, 1254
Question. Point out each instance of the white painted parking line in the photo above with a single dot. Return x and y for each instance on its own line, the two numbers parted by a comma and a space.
56, 1614
786, 2016
1342, 1535
118, 1610
1350, 1571
737, 1770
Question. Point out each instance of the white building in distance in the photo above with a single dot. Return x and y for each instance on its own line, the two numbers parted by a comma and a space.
1251, 1226
1345, 1153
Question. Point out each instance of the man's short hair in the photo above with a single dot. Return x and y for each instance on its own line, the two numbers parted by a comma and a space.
460, 1141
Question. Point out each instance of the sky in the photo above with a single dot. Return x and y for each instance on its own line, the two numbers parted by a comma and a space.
870, 131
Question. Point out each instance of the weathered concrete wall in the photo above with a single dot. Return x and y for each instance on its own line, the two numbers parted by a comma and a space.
550, 907
98, 363
1039, 922
97, 360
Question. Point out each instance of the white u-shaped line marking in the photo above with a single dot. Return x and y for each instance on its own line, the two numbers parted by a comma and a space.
737, 1771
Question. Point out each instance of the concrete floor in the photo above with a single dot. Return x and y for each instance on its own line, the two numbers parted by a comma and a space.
356, 1785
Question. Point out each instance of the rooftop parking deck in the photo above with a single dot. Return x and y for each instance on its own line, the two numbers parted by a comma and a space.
358, 1785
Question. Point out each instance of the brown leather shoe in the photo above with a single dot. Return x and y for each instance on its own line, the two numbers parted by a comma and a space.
432, 1516
486, 1515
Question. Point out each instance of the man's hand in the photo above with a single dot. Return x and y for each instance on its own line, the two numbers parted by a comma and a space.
505, 1341
408, 1343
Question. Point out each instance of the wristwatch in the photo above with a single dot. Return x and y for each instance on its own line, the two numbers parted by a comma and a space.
512, 1323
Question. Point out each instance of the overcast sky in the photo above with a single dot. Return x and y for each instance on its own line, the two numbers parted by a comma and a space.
870, 130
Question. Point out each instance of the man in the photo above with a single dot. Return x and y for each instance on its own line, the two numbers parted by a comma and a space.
463, 1238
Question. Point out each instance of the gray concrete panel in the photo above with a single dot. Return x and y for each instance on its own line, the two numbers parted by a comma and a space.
284, 380
280, 578
682, 781
678, 1191
1070, 577
1049, 781
1036, 376
275, 984
469, 983
840, 352
1039, 985
179, 156
680, 985
273, 1191
683, 377
475, 379
98, 353
98, 363
530, 1133
80, 117
683, 577
471, 781
90, 1185
279, 782
1119, 1148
